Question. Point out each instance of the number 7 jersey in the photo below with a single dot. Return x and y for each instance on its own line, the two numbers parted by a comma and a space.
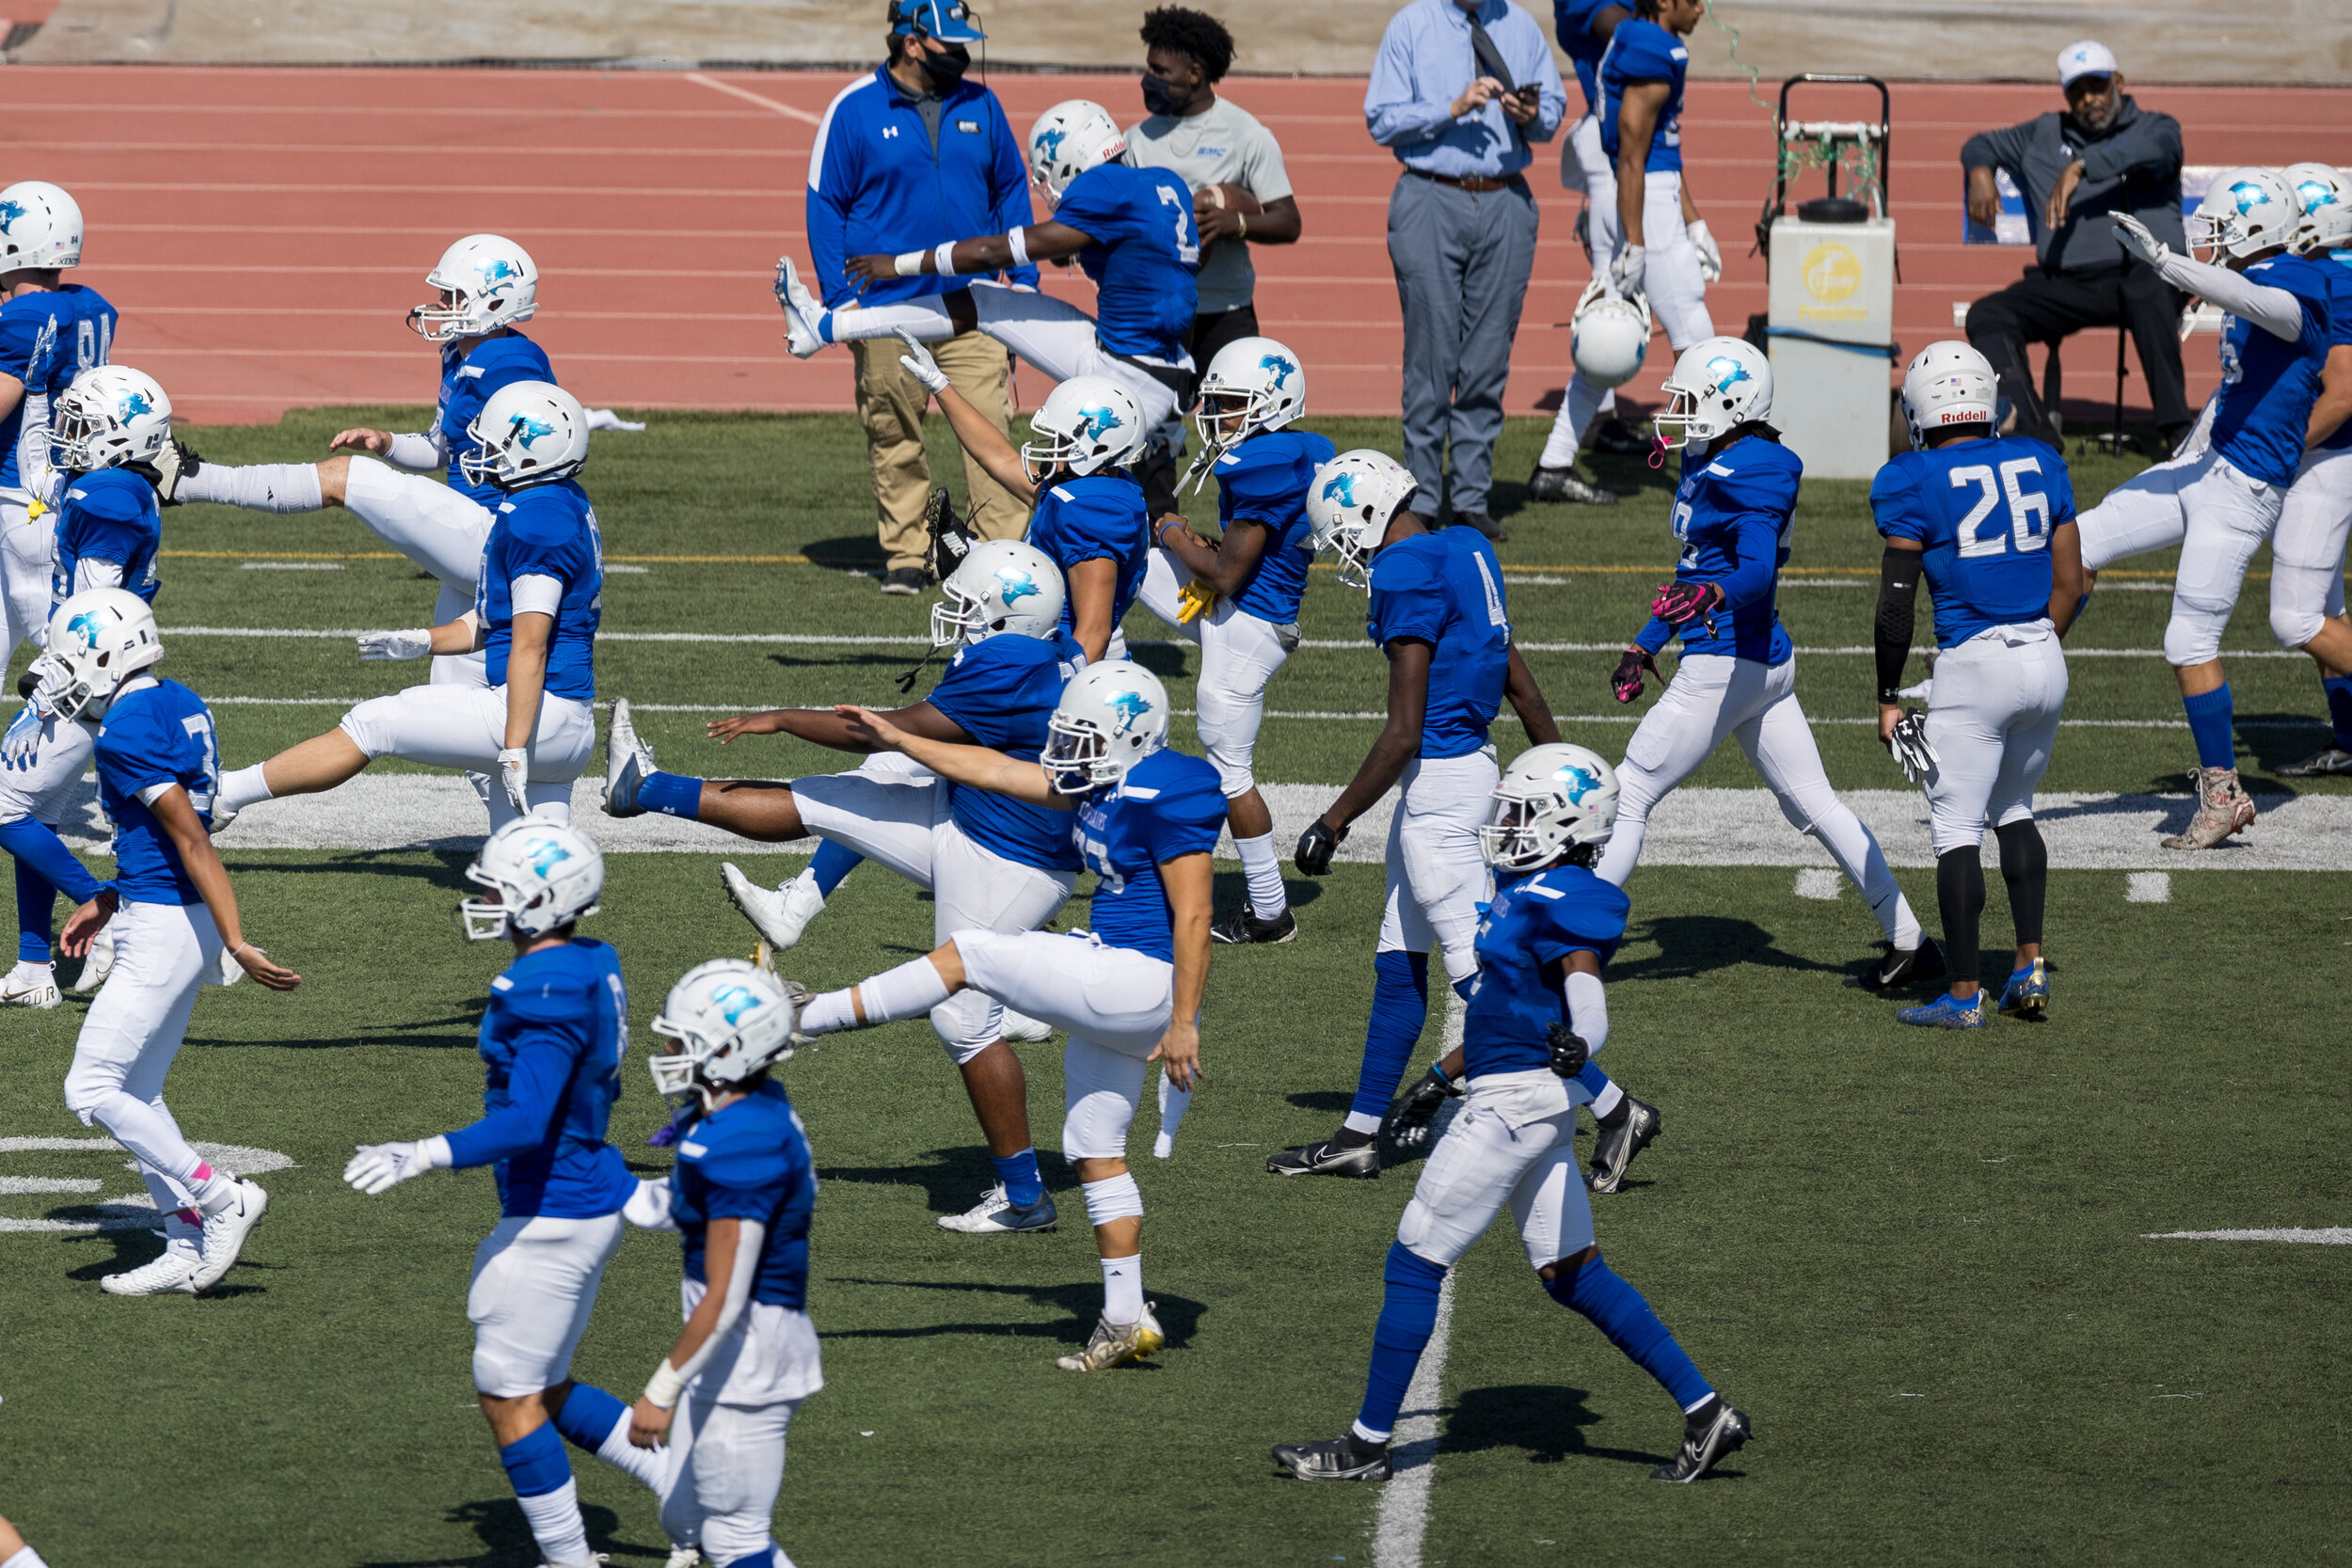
1982, 512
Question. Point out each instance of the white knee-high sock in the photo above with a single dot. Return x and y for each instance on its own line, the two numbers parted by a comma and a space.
1123, 1289
929, 322
1857, 853
910, 990
1577, 413
258, 488
556, 1525
650, 1467
1261, 867
241, 787
1623, 852
154, 1139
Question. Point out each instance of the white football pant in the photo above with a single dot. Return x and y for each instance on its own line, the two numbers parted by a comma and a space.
27, 561
2218, 514
1437, 876
1513, 1141
2307, 552
441, 530
1239, 654
465, 727
44, 788
726, 1444
1992, 719
535, 1283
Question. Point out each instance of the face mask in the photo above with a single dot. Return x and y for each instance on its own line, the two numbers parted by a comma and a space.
946, 70
1157, 97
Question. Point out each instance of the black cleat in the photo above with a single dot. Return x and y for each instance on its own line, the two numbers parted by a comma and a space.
1899, 967
1712, 1432
2327, 760
1245, 928
1484, 524
1328, 1158
1619, 439
1561, 485
1344, 1458
1633, 1129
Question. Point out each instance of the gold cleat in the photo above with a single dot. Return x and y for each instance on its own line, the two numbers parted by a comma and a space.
1115, 1346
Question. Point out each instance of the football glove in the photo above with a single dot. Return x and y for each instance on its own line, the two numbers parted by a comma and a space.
1628, 268
1625, 681
1909, 743
1711, 254
1679, 604
1416, 1117
42, 685
950, 540
648, 1207
378, 645
1584, 234
379, 1167
2134, 236
921, 365
1192, 600
1316, 847
514, 774
1568, 1051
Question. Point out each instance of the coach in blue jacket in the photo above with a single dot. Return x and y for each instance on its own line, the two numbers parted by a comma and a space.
907, 157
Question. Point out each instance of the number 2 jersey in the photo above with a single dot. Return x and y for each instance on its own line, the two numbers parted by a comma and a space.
1145, 259
109, 532
1732, 517
1537, 919
156, 733
1170, 805
544, 542
1264, 481
1982, 512
1002, 691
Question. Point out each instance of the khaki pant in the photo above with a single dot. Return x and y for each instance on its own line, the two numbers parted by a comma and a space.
891, 403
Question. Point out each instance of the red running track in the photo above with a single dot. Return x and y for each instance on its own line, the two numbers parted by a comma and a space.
264, 231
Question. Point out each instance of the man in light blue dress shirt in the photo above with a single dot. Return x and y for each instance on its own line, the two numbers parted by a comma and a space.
1460, 91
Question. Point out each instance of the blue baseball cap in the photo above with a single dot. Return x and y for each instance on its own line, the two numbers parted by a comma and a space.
949, 21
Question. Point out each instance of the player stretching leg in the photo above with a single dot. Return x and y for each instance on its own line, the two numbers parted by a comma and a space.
552, 1037
1238, 597
1732, 518
174, 915
534, 617
1129, 994
988, 862
1991, 521
1539, 1015
739, 1196
2221, 500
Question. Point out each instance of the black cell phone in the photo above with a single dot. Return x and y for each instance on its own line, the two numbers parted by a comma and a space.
1527, 92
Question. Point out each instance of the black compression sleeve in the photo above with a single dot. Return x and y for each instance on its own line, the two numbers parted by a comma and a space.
1898, 582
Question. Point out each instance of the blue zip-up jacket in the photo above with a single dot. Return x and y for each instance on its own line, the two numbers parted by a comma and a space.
877, 187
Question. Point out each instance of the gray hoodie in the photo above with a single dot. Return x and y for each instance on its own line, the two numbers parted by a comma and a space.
2133, 167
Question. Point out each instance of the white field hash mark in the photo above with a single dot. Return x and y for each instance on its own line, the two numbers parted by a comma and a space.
1823, 885
2148, 887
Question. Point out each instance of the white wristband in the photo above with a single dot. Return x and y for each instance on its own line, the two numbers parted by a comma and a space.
1019, 240
907, 263
663, 1388
944, 259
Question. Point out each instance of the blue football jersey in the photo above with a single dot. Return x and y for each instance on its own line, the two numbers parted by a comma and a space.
47, 337
1446, 590
1572, 21
1264, 481
1170, 805
554, 1038
1145, 259
749, 1161
2339, 271
1099, 517
2269, 385
1535, 923
1002, 691
1982, 512
545, 531
156, 735
467, 385
1732, 517
108, 515
1641, 50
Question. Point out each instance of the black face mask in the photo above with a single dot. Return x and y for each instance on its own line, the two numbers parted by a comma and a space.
946, 70
1159, 99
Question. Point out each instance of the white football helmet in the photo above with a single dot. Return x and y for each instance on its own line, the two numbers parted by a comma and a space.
1090, 424
1111, 715
100, 638
1948, 383
1253, 384
111, 414
491, 283
1717, 385
1002, 586
40, 226
731, 1019
2244, 213
1609, 335
529, 433
545, 875
2323, 199
1349, 506
1069, 139
1552, 798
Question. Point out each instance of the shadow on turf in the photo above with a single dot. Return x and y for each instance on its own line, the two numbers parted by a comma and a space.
1081, 1300
1695, 944
137, 1248
506, 1541
950, 1182
1547, 1423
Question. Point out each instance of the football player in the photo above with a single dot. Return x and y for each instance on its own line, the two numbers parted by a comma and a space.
989, 862
18, 1555
1732, 516
1128, 993
552, 1038
1990, 520
1539, 1016
1238, 597
176, 923
533, 619
2222, 499
739, 1196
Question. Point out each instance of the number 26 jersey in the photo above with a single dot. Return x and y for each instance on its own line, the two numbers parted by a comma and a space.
1982, 512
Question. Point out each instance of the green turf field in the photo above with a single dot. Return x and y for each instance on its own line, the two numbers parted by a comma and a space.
1918, 1263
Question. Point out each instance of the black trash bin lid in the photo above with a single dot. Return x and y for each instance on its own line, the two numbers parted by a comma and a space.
1833, 209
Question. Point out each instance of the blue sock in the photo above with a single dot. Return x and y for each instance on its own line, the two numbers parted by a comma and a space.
1399, 1007
832, 863
44, 867
36, 909
764, 1558
2339, 689
2209, 715
1593, 1079
588, 1416
1409, 1316
1018, 1172
535, 1463
1619, 1310
672, 794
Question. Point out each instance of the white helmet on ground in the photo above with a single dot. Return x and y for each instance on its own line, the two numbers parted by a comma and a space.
491, 282
1349, 506
731, 1020
1947, 383
1111, 715
1608, 336
529, 433
545, 875
1717, 385
1090, 424
1253, 384
99, 638
2244, 213
40, 226
2323, 199
1552, 798
110, 415
1069, 139
1002, 586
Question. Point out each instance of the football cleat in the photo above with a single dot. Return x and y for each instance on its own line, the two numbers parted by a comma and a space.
802, 311
1620, 440
627, 763
2327, 760
1346, 1457
1948, 1012
225, 1234
684, 1557
1562, 485
1245, 929
995, 1216
1021, 1026
174, 1269
1327, 1159
1116, 1345
30, 984
2223, 808
100, 961
1903, 966
1709, 1433
1633, 1129
2027, 993
780, 915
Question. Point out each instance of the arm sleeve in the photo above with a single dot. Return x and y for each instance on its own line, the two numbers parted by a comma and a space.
98, 571
534, 1092
2150, 145
1394, 111
1010, 206
1588, 1008
830, 183
1899, 592
1758, 537
418, 454
2275, 311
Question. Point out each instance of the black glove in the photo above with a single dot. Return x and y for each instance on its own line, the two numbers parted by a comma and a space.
1625, 681
1568, 1051
1315, 847
1410, 1127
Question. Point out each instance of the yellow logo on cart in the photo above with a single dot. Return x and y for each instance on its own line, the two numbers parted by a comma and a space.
1832, 272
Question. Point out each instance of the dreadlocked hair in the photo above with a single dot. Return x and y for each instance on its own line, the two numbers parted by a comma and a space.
1197, 35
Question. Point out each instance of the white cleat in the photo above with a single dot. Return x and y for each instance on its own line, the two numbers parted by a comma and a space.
225, 1234
30, 984
778, 914
175, 1271
627, 763
684, 1557
100, 962
995, 1216
1116, 1345
1021, 1026
802, 311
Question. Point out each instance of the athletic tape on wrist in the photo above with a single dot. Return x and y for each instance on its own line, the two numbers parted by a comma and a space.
907, 263
663, 1388
1019, 240
944, 259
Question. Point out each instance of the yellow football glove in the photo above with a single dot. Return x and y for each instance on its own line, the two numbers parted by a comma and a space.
1194, 599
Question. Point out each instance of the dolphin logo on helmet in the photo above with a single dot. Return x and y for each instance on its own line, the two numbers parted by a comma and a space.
1050, 139
2249, 196
1727, 372
1016, 585
1099, 420
545, 855
134, 404
88, 624
735, 1000
10, 212
531, 429
498, 270
1130, 706
1581, 782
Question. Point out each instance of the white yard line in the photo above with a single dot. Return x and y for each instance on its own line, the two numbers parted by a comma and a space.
2148, 887
2334, 1236
1403, 1517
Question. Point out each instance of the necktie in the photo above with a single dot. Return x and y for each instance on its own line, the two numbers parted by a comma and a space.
1491, 63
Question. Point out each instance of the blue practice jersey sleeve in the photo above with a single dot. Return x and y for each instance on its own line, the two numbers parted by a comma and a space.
536, 1078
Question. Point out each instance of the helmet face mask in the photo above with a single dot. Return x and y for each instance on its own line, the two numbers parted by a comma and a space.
483, 284
545, 876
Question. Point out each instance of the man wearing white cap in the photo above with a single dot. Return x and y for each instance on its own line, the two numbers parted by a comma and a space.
2104, 153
